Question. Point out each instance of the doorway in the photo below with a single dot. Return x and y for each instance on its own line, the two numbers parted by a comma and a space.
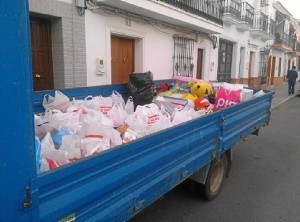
225, 61
122, 59
250, 67
199, 64
272, 74
41, 54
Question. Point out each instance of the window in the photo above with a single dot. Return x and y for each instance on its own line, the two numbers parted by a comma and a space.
183, 56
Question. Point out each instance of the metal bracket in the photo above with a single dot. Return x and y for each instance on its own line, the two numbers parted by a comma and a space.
214, 40
27, 202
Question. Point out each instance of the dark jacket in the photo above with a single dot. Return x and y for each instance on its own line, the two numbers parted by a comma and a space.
292, 75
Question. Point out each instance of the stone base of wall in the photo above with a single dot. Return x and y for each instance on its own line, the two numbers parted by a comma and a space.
255, 82
278, 80
240, 81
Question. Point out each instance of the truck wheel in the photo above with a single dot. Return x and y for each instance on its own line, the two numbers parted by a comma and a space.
215, 178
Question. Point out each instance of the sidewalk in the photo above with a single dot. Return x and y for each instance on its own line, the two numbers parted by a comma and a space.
281, 94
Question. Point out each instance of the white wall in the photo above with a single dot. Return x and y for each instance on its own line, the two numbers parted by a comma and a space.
153, 50
240, 39
278, 54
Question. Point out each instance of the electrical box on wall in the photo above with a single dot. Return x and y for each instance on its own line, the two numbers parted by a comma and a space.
100, 69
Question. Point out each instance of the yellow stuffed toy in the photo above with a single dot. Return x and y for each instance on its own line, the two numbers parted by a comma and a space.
201, 89
189, 96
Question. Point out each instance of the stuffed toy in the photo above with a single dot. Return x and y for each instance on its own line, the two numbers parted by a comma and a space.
185, 87
201, 89
164, 87
201, 103
189, 96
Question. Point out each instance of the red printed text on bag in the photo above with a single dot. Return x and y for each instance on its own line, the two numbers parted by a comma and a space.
104, 109
152, 119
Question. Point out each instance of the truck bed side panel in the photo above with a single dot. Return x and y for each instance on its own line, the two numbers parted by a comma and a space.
241, 120
115, 185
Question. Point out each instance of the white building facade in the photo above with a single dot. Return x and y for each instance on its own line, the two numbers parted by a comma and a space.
97, 42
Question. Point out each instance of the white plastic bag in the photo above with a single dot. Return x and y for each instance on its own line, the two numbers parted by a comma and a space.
59, 101
79, 103
259, 93
118, 114
92, 145
115, 138
180, 116
143, 118
65, 121
117, 98
48, 151
150, 112
41, 126
89, 102
164, 122
44, 165
137, 123
105, 104
129, 106
95, 123
128, 136
71, 145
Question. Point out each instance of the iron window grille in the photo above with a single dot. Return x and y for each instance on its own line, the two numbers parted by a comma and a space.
183, 59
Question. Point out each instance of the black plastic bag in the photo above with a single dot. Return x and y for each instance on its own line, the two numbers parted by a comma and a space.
141, 87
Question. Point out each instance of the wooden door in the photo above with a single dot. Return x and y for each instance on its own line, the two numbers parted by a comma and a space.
122, 59
273, 70
269, 69
41, 54
279, 67
250, 68
199, 64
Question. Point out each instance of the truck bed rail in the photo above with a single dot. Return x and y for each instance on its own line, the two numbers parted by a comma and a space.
116, 184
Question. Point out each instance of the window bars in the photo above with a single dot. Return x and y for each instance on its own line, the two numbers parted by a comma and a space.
264, 55
183, 56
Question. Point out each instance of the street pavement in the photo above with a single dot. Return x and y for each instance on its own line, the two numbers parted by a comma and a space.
281, 93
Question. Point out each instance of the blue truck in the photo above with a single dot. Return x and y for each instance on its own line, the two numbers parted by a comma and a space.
117, 184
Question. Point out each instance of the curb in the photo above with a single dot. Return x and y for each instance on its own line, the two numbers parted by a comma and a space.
283, 101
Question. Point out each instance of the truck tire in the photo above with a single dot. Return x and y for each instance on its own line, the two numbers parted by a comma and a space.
215, 177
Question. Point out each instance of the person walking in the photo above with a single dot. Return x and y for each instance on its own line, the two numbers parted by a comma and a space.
292, 76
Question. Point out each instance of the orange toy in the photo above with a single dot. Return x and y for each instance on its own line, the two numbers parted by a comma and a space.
201, 103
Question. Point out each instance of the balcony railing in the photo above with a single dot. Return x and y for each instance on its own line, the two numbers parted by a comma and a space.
297, 47
285, 39
233, 7
247, 13
208, 9
272, 26
282, 39
261, 22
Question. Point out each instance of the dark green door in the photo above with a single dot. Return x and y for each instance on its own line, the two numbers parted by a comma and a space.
225, 61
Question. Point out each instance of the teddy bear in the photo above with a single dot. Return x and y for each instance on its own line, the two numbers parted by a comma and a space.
201, 89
